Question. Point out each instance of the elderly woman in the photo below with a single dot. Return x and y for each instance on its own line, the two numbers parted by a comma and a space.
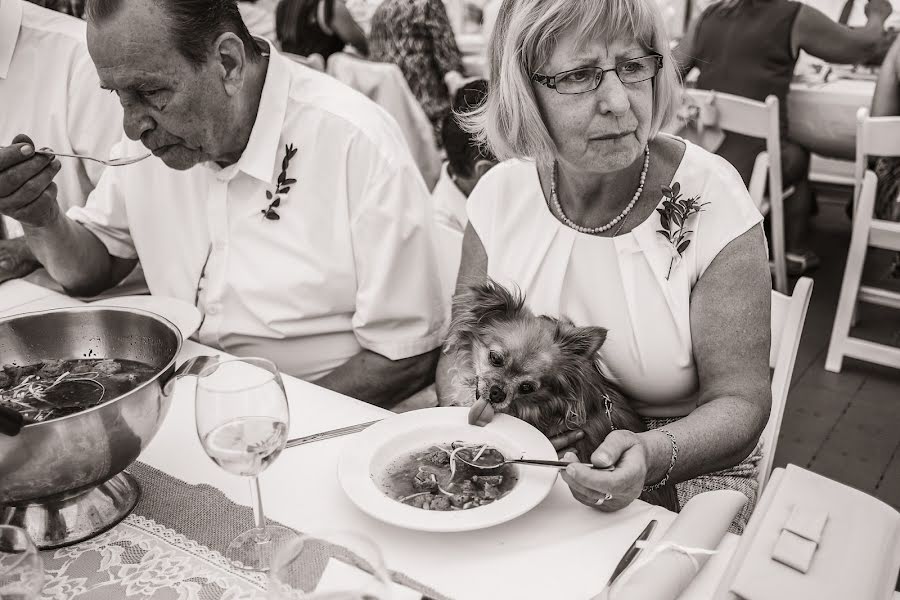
578, 92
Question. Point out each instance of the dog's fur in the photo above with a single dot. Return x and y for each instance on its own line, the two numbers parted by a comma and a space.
540, 369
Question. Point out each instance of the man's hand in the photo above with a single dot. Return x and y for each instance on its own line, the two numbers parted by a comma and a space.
27, 191
879, 10
16, 259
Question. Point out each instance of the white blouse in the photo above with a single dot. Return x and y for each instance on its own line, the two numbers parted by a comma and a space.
618, 283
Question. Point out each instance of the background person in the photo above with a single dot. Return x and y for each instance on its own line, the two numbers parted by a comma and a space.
320, 27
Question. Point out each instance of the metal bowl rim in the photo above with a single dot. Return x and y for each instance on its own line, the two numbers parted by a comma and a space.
77, 309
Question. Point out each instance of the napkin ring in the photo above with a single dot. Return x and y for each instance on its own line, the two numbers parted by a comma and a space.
665, 478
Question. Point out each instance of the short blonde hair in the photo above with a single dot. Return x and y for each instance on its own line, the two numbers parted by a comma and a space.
509, 121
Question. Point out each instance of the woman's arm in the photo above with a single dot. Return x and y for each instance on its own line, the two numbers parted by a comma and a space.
347, 28
731, 330
472, 269
820, 36
886, 100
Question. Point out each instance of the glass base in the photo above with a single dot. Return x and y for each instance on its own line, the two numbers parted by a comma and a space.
253, 551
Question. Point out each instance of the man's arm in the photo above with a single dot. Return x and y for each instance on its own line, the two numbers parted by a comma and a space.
378, 380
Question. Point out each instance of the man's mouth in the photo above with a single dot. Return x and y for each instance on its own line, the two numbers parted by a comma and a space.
160, 150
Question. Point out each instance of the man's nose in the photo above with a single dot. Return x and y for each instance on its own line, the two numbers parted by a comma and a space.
136, 122
497, 394
612, 95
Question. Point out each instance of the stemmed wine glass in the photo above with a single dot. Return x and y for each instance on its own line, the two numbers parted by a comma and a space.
243, 421
21, 568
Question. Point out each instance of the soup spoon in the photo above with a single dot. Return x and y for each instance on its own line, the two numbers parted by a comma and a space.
558, 464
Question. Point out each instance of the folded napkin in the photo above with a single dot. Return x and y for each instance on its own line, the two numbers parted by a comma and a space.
666, 567
812, 537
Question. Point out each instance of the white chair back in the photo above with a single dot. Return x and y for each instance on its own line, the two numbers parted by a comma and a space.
788, 316
760, 120
875, 136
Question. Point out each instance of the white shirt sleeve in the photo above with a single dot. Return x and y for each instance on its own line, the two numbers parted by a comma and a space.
729, 214
399, 312
105, 214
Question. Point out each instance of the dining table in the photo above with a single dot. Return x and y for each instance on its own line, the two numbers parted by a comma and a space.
559, 549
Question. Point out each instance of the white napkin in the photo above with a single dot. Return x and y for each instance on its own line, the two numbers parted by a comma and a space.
666, 567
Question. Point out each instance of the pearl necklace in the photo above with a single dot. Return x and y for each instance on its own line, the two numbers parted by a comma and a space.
555, 198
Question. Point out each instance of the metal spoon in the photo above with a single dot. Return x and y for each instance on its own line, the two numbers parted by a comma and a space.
115, 162
526, 461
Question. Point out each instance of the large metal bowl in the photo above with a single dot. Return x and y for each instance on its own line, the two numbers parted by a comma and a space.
63, 480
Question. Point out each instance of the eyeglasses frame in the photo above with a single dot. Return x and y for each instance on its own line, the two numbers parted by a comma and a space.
550, 80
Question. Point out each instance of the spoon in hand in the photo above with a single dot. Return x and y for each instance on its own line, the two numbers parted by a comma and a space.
114, 162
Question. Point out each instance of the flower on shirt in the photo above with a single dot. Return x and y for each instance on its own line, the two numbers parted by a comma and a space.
673, 217
283, 186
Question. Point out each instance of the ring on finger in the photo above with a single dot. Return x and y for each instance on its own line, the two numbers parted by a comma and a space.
603, 499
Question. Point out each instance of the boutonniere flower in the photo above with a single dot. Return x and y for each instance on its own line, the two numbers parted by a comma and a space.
283, 186
673, 216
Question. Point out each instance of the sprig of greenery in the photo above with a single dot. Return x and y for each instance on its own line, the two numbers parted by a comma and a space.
673, 216
283, 187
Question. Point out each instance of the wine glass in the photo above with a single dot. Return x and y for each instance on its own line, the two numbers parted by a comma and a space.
243, 421
362, 576
21, 568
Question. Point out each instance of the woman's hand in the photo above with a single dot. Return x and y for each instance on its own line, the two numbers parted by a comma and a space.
481, 413
624, 484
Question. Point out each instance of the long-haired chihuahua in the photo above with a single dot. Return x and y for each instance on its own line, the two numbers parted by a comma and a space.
540, 369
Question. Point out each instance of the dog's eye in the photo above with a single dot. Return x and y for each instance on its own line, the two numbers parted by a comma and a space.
495, 359
526, 388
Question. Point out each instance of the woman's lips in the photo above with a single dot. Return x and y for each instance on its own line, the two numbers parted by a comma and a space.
612, 136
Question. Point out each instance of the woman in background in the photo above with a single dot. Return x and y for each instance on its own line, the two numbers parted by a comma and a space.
323, 27
749, 48
416, 36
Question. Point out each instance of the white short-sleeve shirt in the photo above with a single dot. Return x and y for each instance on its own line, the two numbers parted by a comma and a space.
349, 265
49, 90
619, 283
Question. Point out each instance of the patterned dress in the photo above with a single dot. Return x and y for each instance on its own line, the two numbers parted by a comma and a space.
416, 36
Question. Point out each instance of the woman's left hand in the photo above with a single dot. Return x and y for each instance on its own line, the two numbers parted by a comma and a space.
623, 484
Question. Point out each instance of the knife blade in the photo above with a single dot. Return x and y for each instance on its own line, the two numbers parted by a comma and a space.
632, 552
331, 433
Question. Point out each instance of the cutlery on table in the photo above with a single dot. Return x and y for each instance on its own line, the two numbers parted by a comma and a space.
114, 162
632, 552
325, 435
556, 464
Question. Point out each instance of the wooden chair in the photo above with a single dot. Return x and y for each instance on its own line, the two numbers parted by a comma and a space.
788, 316
867, 231
760, 120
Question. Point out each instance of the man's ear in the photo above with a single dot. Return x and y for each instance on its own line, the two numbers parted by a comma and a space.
230, 57
482, 166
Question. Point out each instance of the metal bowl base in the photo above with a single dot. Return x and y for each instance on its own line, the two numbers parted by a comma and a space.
57, 522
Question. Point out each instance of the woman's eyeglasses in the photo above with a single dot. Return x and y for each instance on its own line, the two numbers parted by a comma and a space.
588, 79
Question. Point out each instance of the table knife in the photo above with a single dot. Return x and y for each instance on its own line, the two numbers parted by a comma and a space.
325, 435
632, 552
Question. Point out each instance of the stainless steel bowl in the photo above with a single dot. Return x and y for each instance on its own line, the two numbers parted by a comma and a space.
63, 480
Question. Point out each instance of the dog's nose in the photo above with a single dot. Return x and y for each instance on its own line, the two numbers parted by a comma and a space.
497, 394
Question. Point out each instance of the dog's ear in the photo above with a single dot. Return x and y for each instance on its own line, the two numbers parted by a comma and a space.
476, 307
580, 341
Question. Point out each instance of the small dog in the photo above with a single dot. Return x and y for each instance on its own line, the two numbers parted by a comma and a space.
542, 370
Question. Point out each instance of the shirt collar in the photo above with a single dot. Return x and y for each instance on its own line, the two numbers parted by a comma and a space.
258, 158
10, 23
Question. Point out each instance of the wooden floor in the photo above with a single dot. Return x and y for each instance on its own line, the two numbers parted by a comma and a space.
845, 426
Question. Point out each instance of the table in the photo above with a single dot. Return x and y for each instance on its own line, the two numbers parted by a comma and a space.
560, 549
822, 116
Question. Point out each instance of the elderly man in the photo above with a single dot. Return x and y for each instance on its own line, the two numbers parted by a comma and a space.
280, 201
63, 108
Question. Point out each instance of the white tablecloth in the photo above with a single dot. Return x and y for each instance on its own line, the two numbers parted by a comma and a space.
559, 550
823, 115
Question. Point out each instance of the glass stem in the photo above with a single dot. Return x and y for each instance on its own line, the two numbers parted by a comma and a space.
258, 517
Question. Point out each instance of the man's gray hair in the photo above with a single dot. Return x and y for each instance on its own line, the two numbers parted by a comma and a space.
524, 38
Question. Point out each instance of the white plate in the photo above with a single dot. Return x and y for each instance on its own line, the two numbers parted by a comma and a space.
374, 449
184, 315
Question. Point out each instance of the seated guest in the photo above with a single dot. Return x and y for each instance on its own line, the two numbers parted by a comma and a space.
749, 48
284, 204
260, 22
320, 27
416, 36
466, 161
64, 108
577, 93
886, 103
